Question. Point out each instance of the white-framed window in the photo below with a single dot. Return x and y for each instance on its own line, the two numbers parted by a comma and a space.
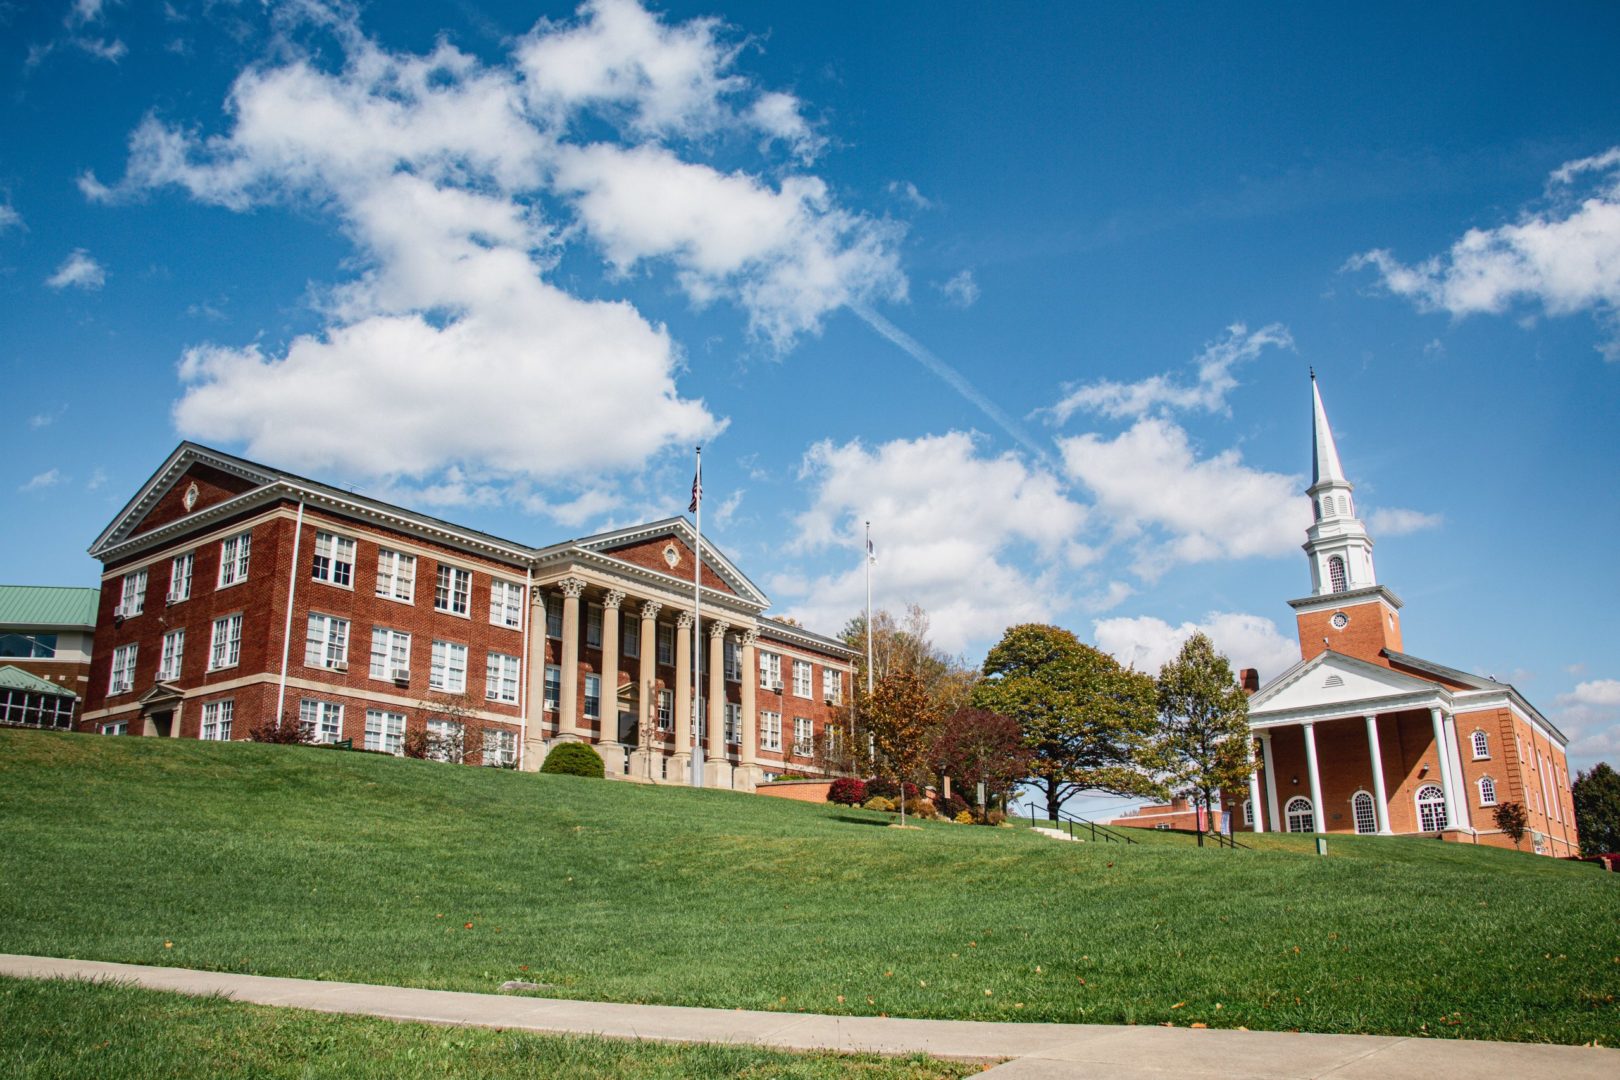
506, 604
320, 721
448, 670
666, 710
447, 741
1336, 578
804, 738
396, 575
118, 727
1487, 791
733, 723
593, 626
553, 687
390, 654
123, 669
733, 661
1482, 745
1364, 813
804, 679
501, 678
233, 558
1298, 815
1248, 812
216, 721
133, 599
770, 731
326, 643
334, 559
770, 671
1431, 808
225, 646
593, 696
385, 731
554, 618
180, 577
453, 590
174, 650
666, 643
630, 636
500, 748
36, 710
832, 686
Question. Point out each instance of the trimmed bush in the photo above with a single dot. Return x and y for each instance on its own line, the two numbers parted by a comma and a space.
882, 785
878, 802
922, 808
964, 817
954, 806
573, 759
847, 790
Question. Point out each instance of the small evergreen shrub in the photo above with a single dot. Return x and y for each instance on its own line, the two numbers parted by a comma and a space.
847, 790
878, 802
964, 817
573, 759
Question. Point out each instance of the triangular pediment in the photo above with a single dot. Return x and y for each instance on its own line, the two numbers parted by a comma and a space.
192, 480
162, 694
1332, 678
667, 547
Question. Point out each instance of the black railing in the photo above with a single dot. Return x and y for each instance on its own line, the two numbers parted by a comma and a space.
1096, 831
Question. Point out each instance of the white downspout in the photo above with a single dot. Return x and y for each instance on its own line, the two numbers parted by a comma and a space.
286, 633
523, 668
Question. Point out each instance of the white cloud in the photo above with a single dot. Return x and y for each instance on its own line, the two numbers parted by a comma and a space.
97, 481
102, 49
41, 481
1164, 393
83, 12
1151, 485
1393, 521
46, 419
905, 189
1563, 254
80, 271
9, 218
1248, 641
1590, 716
954, 528
961, 290
461, 185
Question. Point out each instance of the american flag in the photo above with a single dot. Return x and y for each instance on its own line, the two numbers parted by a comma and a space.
697, 487
871, 552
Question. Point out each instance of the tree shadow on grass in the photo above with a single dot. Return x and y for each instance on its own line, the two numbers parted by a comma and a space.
860, 820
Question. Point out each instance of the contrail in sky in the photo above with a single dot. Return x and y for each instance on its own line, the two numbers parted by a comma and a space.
954, 379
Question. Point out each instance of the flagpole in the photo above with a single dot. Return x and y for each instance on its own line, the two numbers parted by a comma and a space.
697, 627
869, 609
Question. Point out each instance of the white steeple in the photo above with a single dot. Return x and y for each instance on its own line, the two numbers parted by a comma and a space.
1337, 542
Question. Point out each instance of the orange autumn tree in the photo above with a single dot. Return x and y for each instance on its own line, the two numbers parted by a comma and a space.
901, 720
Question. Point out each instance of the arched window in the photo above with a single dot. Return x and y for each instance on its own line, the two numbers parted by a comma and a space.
1487, 791
1248, 812
1482, 745
1299, 816
1336, 579
1431, 808
1361, 803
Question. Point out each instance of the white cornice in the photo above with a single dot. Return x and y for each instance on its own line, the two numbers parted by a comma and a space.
1348, 598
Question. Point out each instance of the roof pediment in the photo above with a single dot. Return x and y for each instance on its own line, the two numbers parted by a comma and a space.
166, 495
666, 547
1331, 678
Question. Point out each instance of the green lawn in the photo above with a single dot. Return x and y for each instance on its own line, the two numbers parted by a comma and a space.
304, 862
65, 1030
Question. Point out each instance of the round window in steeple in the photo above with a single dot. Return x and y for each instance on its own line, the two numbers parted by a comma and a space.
1340, 620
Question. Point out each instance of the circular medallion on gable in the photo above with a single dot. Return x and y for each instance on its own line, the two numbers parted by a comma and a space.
672, 555
1340, 620
191, 496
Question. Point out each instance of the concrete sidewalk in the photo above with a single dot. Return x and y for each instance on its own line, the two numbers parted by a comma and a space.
1029, 1051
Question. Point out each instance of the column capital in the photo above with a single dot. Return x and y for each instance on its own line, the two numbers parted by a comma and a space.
612, 599
749, 638
650, 609
718, 629
571, 587
537, 596
684, 620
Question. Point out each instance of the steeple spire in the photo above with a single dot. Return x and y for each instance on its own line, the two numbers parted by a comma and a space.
1324, 454
1337, 542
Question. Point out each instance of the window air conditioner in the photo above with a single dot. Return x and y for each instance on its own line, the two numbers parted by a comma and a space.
337, 665
402, 675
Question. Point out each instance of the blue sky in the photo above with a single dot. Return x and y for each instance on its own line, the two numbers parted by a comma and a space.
1035, 288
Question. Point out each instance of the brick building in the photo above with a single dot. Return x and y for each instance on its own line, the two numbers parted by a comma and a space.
1361, 736
235, 593
47, 636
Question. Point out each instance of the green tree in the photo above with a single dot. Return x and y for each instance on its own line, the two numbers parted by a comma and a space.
1597, 809
1204, 718
904, 644
900, 718
1088, 722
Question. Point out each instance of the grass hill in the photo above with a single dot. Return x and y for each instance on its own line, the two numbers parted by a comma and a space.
305, 862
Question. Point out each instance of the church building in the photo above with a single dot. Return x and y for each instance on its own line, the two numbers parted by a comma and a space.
234, 594
1361, 736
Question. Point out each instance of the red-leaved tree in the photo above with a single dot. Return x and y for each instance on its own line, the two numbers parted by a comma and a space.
974, 745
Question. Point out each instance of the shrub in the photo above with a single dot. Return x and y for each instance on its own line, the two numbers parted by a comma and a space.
573, 759
994, 817
964, 817
878, 802
847, 790
415, 743
912, 792
922, 808
289, 732
791, 775
1512, 820
882, 785
953, 806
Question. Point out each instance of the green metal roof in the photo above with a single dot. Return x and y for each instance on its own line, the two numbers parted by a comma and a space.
48, 605
13, 678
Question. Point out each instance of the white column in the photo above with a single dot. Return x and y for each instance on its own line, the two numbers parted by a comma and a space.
1258, 819
646, 690
534, 732
1380, 797
1317, 823
1277, 823
716, 750
749, 755
1443, 760
568, 707
1459, 787
683, 694
607, 724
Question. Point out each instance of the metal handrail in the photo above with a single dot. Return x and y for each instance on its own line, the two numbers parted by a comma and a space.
1112, 836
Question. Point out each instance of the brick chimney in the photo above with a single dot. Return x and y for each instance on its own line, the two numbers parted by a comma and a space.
1250, 679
